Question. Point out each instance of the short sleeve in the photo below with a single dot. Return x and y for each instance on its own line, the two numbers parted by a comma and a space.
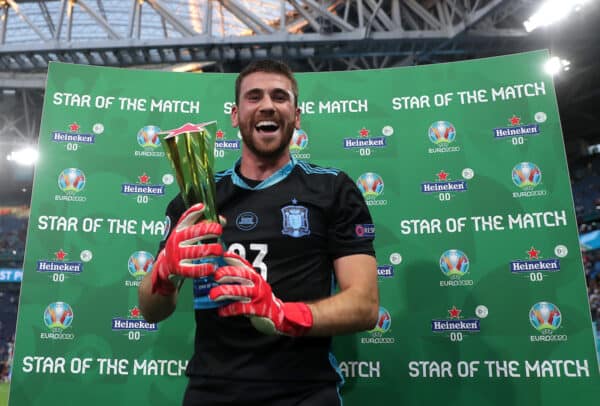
349, 218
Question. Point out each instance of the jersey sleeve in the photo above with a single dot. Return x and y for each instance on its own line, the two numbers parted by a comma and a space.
348, 215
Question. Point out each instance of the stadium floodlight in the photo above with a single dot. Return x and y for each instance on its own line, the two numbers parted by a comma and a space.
195, 67
555, 65
552, 11
26, 156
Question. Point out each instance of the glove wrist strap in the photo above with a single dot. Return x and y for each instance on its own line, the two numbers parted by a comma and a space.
298, 318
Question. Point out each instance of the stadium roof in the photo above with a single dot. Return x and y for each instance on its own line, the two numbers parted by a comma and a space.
319, 34
311, 35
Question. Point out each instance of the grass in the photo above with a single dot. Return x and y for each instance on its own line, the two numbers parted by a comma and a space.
4, 393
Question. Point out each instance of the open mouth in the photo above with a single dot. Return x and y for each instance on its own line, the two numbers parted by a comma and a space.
267, 126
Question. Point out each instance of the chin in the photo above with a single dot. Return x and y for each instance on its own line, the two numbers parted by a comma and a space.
267, 152
271, 153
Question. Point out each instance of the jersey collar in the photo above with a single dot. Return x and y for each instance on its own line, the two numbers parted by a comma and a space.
275, 178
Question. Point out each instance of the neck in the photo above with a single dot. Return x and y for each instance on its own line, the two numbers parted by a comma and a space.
259, 168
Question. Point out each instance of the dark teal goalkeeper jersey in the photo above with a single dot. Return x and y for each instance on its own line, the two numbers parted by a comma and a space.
290, 227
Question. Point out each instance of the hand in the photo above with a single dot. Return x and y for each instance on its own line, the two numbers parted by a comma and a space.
253, 297
184, 255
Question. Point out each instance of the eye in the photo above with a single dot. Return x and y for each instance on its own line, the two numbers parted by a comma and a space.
253, 96
280, 96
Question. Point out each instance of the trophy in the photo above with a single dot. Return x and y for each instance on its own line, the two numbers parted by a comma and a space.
190, 150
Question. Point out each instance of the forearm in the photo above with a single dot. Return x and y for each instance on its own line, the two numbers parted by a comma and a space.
349, 311
155, 307
356, 306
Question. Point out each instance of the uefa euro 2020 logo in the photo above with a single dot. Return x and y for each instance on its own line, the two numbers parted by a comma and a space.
454, 264
147, 137
71, 180
545, 317
299, 141
442, 132
370, 185
526, 175
140, 263
384, 322
58, 315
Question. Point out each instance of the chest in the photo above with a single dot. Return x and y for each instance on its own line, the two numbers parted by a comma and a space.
278, 216
284, 232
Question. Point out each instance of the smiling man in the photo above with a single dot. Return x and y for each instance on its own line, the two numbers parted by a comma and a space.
291, 237
266, 116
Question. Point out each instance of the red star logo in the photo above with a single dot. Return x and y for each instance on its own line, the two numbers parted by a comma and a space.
533, 253
442, 175
364, 132
219, 134
514, 120
60, 255
135, 312
454, 312
144, 178
74, 127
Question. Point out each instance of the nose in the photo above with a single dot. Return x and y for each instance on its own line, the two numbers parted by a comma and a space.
266, 104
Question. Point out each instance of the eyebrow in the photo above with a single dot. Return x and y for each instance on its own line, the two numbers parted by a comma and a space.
256, 90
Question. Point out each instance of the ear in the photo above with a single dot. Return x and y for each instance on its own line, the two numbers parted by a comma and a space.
234, 116
297, 119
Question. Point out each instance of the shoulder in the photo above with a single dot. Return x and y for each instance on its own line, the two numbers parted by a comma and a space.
328, 177
336, 176
311, 169
223, 175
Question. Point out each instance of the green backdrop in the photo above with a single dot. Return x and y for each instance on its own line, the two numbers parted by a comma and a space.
483, 297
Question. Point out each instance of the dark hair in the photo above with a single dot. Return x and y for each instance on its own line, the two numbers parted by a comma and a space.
267, 66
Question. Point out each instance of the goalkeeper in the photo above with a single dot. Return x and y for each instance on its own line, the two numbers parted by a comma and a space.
292, 233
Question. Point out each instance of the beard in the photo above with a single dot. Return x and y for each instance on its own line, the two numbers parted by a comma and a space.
272, 151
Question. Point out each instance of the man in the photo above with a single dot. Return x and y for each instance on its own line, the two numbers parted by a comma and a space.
291, 236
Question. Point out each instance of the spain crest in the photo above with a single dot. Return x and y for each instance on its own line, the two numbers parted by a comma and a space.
295, 220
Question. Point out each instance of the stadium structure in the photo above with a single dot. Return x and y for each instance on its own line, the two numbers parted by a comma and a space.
311, 35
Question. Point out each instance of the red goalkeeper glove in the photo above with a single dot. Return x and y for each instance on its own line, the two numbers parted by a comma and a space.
253, 297
184, 255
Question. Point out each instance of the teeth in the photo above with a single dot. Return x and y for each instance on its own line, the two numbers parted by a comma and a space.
266, 123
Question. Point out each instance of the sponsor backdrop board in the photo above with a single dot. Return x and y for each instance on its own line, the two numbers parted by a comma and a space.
483, 298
